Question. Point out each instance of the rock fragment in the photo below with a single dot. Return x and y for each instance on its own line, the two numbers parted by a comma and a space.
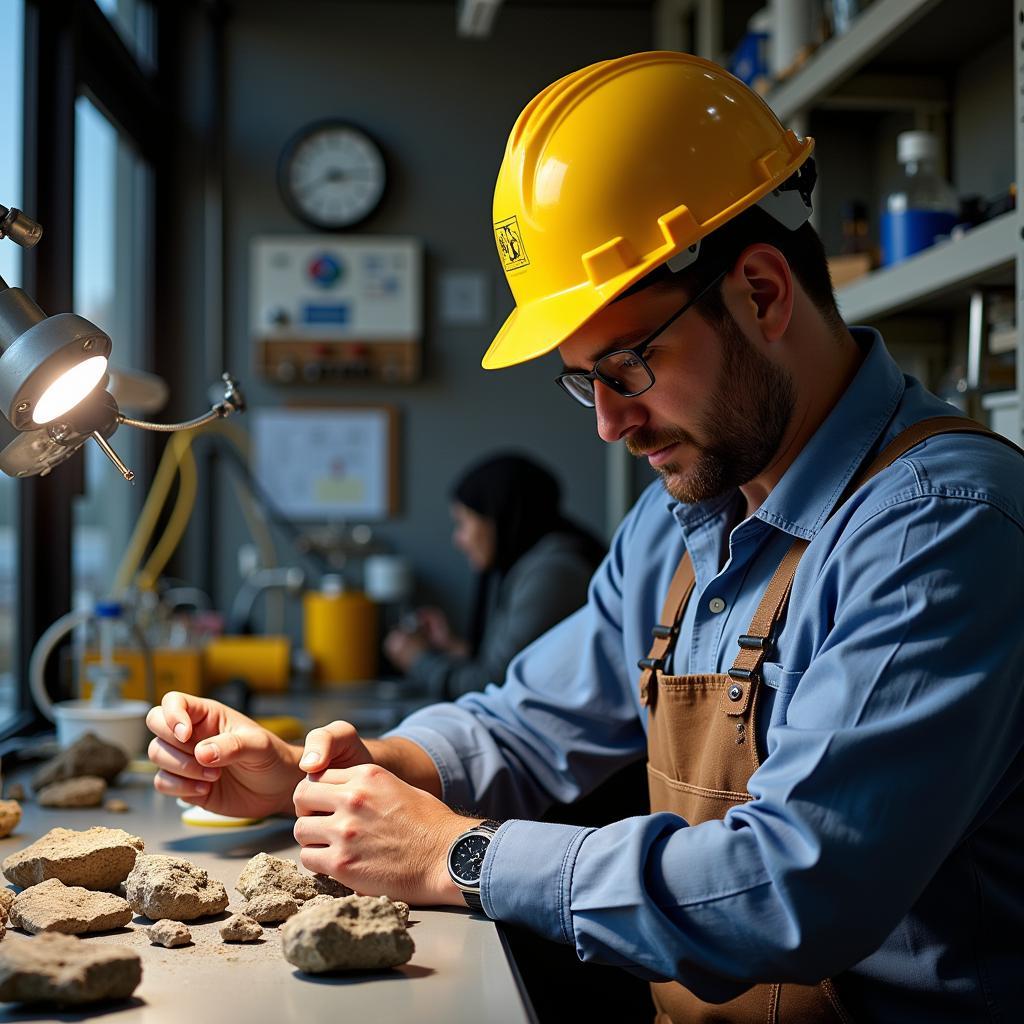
88, 755
10, 815
97, 858
85, 791
318, 901
52, 906
240, 928
171, 887
169, 934
265, 873
65, 970
271, 907
116, 806
403, 911
351, 933
6, 899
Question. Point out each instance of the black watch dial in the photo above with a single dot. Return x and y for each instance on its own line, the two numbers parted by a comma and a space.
467, 859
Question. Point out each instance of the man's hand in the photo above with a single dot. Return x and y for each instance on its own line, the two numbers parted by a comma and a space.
217, 758
378, 835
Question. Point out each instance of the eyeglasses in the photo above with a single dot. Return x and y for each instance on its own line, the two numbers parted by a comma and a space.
624, 371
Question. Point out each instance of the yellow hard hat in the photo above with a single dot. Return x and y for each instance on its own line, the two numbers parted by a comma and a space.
616, 169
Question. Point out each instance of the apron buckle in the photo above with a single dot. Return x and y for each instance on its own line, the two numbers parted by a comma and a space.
752, 643
650, 665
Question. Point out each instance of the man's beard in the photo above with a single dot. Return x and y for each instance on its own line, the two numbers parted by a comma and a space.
747, 418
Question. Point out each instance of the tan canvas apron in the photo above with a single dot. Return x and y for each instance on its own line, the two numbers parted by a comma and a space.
702, 749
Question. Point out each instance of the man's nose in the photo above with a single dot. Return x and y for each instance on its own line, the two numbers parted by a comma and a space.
616, 416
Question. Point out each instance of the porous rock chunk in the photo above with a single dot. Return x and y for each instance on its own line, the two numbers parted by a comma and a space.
116, 806
403, 910
62, 969
265, 873
169, 933
6, 899
97, 858
52, 906
270, 907
85, 791
240, 928
319, 901
10, 815
350, 933
89, 755
171, 887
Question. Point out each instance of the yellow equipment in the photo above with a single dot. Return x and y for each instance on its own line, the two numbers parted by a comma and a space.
340, 632
616, 169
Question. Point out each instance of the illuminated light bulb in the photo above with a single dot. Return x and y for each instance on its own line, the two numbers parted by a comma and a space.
69, 389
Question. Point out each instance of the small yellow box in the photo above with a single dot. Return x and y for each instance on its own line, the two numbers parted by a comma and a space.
175, 668
264, 662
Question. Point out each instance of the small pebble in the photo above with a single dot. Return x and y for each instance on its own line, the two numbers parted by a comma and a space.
240, 928
115, 806
169, 934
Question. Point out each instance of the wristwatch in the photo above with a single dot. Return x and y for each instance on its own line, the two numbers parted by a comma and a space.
466, 860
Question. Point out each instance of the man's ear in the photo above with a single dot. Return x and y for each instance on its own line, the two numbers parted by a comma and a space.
763, 285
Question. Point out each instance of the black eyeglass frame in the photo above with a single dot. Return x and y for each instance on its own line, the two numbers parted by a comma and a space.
636, 350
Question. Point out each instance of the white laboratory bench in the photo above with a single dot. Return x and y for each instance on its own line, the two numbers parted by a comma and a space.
459, 972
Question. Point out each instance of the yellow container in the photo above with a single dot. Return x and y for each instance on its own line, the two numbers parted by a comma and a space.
175, 668
264, 662
340, 633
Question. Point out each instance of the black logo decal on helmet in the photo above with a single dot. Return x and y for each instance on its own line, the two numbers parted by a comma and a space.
510, 244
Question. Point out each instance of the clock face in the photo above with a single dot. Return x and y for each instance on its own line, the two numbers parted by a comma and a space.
467, 858
332, 175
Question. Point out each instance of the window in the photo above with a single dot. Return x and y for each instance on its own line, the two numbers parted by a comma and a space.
11, 130
113, 214
136, 25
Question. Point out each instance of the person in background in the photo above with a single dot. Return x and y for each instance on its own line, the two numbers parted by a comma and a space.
533, 567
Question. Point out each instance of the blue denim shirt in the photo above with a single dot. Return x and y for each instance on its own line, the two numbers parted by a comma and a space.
884, 844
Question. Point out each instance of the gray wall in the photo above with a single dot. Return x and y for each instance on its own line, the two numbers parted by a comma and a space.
442, 108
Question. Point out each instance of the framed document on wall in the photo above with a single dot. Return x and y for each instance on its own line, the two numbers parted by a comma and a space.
327, 463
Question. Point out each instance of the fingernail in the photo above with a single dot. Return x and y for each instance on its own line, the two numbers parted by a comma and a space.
210, 773
181, 731
211, 752
310, 758
202, 789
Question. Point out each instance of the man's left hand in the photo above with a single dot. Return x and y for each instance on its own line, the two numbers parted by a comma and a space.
378, 835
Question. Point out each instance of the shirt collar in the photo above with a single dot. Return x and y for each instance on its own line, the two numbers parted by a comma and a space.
803, 499
808, 491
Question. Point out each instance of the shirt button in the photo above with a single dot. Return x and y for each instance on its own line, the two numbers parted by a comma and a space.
716, 606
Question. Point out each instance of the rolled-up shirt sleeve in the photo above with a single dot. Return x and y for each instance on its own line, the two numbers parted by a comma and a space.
902, 731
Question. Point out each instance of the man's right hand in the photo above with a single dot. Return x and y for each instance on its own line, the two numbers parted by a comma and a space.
217, 758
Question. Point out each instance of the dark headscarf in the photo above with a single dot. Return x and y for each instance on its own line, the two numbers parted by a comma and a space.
522, 499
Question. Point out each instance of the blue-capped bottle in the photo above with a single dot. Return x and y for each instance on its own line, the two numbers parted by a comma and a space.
924, 207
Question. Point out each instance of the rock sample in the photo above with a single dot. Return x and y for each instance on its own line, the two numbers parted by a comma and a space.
116, 806
271, 907
403, 911
170, 887
10, 815
319, 901
169, 934
65, 970
87, 756
352, 933
98, 858
85, 791
52, 906
6, 899
240, 928
264, 874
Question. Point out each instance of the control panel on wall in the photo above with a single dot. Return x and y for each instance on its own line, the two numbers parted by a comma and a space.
335, 309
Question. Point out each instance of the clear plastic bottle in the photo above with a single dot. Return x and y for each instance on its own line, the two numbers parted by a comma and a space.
924, 207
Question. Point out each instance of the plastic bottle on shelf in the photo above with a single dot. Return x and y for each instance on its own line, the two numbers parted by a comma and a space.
924, 206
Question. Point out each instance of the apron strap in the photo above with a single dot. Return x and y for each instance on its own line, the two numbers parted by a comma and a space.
665, 632
754, 643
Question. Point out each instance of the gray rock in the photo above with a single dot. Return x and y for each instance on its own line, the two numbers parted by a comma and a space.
170, 887
169, 934
10, 815
64, 970
351, 933
87, 756
98, 858
264, 874
85, 791
271, 907
240, 928
52, 906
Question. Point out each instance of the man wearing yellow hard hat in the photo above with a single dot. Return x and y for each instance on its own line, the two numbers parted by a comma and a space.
809, 627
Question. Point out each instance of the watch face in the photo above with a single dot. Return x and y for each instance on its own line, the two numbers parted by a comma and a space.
332, 175
467, 858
